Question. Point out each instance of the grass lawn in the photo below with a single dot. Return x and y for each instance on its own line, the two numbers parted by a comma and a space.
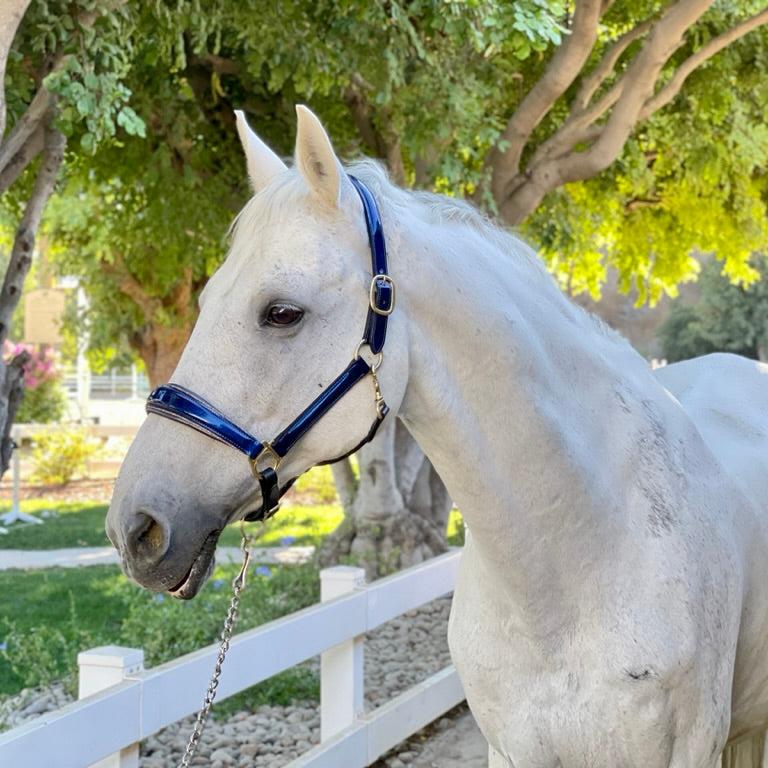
309, 514
69, 525
48, 616
51, 610
82, 525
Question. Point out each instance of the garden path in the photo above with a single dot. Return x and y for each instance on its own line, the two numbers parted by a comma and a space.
80, 556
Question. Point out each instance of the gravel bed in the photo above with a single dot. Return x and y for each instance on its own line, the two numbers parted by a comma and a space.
398, 655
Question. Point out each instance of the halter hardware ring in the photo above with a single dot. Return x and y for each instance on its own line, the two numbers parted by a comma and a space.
377, 360
372, 292
267, 450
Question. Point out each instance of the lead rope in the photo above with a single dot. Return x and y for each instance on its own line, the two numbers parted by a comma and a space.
238, 584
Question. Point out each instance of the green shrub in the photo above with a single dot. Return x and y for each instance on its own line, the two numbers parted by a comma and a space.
60, 455
44, 654
42, 405
166, 628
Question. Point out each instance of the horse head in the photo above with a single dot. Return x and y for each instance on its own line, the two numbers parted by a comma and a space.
278, 321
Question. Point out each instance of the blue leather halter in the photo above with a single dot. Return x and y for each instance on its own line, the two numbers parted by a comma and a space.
180, 404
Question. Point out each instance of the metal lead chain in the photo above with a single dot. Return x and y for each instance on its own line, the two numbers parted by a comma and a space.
238, 584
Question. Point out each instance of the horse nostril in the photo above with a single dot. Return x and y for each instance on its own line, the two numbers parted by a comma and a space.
147, 538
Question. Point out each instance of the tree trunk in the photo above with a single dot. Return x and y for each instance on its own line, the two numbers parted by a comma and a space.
12, 374
11, 395
160, 348
395, 512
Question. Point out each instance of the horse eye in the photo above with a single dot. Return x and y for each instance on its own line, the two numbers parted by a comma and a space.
283, 315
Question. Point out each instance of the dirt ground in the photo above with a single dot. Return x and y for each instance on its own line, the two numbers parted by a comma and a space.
460, 746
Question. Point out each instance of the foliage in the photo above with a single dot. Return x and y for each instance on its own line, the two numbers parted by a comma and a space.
92, 45
117, 222
43, 654
59, 455
727, 318
691, 180
63, 606
51, 615
682, 335
44, 398
166, 628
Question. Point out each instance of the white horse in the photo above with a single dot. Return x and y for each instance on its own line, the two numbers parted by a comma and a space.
611, 609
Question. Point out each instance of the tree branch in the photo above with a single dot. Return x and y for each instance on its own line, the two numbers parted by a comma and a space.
24, 241
636, 88
27, 124
574, 128
38, 108
562, 70
359, 108
131, 287
217, 64
16, 165
11, 396
668, 92
607, 64
640, 79
180, 298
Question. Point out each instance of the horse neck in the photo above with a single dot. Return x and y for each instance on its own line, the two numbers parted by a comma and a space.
511, 394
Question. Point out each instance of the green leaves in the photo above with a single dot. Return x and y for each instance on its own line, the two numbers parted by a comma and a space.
131, 122
94, 58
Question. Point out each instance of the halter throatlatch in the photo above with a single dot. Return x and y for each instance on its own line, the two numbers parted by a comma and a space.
182, 405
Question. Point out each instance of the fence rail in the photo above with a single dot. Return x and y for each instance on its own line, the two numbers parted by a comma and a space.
107, 725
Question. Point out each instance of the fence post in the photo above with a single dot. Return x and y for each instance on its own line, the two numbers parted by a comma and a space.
341, 667
102, 668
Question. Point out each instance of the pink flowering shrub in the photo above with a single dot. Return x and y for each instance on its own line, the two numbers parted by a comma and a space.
44, 399
40, 367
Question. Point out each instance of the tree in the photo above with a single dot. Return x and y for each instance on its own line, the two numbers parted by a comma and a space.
641, 141
727, 318
144, 225
487, 99
61, 66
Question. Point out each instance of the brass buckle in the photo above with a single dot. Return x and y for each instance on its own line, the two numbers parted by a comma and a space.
372, 295
267, 450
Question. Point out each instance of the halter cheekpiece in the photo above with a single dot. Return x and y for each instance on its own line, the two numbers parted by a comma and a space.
182, 405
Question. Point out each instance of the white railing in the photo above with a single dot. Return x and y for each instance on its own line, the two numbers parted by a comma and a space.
122, 703
110, 385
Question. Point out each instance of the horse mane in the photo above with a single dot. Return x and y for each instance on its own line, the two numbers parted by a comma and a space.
280, 196
442, 210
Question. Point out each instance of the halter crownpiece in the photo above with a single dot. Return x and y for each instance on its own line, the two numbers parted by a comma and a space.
184, 406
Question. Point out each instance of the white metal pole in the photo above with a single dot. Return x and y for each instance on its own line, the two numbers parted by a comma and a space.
16, 515
16, 506
102, 668
341, 667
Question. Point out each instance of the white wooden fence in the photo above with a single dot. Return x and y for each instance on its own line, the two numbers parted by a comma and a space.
122, 703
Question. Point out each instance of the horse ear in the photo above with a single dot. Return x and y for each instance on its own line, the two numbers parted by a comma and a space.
316, 159
263, 163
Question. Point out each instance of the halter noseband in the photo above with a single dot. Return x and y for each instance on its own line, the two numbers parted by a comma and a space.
181, 405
